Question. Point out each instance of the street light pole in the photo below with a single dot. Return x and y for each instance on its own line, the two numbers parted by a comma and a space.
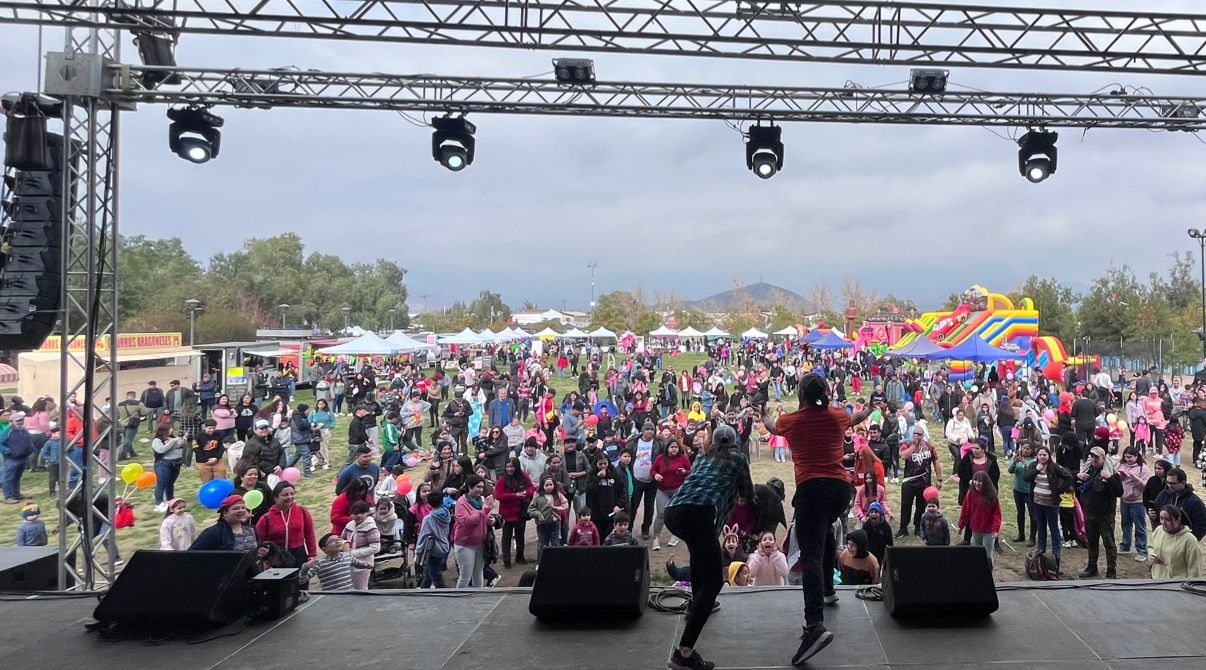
391, 319
284, 308
193, 306
592, 267
1200, 236
346, 311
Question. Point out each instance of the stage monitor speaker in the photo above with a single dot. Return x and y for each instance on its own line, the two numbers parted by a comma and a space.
604, 583
185, 590
275, 592
29, 569
938, 582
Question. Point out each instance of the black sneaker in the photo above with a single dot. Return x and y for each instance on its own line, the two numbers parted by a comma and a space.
1088, 573
811, 644
903, 532
693, 662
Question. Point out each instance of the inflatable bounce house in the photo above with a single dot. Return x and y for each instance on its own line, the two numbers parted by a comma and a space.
994, 318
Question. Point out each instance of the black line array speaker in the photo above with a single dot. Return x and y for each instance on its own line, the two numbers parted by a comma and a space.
31, 252
938, 582
29, 568
181, 590
604, 583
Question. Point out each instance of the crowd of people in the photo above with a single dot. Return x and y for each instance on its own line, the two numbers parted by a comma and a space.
446, 469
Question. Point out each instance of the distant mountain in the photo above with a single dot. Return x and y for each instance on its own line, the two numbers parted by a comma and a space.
764, 294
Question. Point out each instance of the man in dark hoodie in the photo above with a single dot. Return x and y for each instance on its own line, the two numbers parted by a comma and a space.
262, 450
358, 434
1180, 492
456, 417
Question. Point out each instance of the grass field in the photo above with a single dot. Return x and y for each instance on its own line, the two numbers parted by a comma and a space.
317, 493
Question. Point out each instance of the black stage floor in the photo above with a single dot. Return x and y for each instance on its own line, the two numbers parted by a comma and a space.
1114, 625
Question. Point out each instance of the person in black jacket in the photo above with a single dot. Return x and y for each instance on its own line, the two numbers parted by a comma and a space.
977, 458
1100, 487
358, 430
262, 450
1180, 493
1197, 426
1084, 417
1055, 480
606, 493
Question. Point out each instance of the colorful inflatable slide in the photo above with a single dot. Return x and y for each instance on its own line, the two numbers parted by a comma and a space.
993, 318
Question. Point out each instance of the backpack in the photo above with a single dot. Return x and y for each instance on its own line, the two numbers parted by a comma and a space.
1041, 567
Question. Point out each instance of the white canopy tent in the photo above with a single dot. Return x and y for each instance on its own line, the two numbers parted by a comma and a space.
715, 331
465, 337
663, 331
754, 334
602, 332
690, 332
548, 334
368, 344
520, 333
407, 344
575, 334
787, 330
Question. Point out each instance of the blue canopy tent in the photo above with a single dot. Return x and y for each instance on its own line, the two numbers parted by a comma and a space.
814, 335
978, 351
922, 347
831, 341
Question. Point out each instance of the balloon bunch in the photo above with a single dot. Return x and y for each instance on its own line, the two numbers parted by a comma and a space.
404, 484
1117, 426
136, 477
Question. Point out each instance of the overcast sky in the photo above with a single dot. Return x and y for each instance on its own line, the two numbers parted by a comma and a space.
917, 211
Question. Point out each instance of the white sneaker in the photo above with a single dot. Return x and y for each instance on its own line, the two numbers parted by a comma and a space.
657, 545
1141, 557
161, 507
327, 466
673, 541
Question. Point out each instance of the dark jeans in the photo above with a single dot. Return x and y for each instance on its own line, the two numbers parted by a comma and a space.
166, 473
818, 502
1046, 520
912, 491
642, 491
547, 535
1197, 450
1099, 529
433, 571
52, 470
696, 526
127, 443
516, 530
301, 453
1024, 503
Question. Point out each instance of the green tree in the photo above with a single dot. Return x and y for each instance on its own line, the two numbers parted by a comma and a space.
619, 311
489, 308
1108, 312
1056, 305
157, 276
781, 317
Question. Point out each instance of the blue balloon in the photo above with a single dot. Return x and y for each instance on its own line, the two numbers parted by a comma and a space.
213, 492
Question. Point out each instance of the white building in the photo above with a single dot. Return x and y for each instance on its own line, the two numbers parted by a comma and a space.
565, 318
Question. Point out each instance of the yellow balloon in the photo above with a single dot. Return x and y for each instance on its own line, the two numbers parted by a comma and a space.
130, 472
1121, 424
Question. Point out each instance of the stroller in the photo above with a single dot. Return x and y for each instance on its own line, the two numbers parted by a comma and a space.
392, 567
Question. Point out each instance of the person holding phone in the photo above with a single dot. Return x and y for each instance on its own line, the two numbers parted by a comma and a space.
1174, 551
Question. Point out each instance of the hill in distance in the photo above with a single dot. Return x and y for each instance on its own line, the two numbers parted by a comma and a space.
766, 295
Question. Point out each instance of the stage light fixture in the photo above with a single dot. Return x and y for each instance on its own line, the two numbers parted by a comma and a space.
574, 71
1037, 155
194, 134
25, 145
452, 142
924, 80
764, 150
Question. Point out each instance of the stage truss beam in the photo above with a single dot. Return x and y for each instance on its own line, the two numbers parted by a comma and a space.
857, 32
427, 93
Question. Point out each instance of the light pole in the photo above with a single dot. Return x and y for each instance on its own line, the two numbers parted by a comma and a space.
284, 307
392, 311
346, 312
592, 267
193, 306
1200, 236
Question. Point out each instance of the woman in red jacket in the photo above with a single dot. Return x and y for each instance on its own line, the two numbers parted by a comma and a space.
360, 488
669, 470
288, 525
513, 491
981, 513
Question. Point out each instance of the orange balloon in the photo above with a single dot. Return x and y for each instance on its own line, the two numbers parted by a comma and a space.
404, 477
145, 481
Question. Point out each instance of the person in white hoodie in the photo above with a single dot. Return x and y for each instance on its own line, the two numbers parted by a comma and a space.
178, 529
364, 541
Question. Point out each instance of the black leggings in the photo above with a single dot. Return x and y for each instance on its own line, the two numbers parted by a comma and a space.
696, 526
513, 530
1023, 501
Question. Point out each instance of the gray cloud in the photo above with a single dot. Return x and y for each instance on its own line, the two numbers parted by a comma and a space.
918, 211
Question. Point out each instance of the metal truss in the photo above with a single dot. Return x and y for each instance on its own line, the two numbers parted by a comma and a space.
851, 31
89, 306
427, 93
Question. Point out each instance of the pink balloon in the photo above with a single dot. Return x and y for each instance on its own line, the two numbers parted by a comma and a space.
592, 420
291, 475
